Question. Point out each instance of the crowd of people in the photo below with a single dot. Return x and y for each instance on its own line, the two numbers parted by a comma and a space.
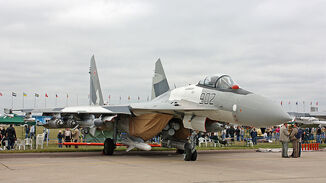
8, 134
68, 136
242, 133
250, 133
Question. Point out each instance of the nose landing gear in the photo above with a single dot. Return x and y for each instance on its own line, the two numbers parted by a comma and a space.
190, 148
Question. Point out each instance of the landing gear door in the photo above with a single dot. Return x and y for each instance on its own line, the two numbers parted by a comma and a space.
194, 122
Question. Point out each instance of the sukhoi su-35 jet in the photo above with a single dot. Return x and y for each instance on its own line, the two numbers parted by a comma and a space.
175, 114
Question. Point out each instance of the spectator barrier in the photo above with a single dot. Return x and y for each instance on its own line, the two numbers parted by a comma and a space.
310, 147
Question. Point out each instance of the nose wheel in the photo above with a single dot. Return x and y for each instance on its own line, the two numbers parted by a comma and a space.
190, 154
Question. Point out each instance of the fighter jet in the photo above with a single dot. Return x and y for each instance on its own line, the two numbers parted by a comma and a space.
309, 119
175, 114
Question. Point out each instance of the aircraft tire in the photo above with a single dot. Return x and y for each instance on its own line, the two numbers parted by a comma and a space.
180, 151
187, 156
108, 147
194, 156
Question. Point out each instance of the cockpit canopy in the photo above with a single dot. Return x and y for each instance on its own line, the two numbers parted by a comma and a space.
216, 81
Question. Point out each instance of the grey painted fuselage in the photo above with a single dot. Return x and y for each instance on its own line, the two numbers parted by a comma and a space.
235, 106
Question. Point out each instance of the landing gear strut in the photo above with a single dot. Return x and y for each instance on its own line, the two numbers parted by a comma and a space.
190, 148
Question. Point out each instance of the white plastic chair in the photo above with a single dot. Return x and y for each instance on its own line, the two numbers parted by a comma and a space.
20, 144
28, 142
40, 140
216, 143
6, 144
201, 141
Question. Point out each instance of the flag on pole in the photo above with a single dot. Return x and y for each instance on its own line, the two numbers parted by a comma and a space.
14, 94
56, 95
296, 103
289, 102
67, 95
317, 103
0, 94
281, 103
46, 95
128, 97
37, 95
24, 94
138, 98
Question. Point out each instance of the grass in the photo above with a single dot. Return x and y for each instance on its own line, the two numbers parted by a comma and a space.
52, 147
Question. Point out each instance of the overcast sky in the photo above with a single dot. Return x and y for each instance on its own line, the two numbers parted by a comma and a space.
272, 48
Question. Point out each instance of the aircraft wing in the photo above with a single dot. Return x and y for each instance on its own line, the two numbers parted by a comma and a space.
173, 107
320, 115
81, 110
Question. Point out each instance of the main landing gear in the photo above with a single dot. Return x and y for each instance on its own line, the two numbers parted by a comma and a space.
190, 148
109, 146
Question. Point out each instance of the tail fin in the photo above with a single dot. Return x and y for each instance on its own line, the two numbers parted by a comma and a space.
160, 83
95, 95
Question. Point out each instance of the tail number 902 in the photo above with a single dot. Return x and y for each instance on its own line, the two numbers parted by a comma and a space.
207, 98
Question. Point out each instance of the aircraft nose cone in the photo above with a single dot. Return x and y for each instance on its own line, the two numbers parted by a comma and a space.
261, 112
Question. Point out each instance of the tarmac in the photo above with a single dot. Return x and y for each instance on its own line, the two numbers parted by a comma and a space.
157, 166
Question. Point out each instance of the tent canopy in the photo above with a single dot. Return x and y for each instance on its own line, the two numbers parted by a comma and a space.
16, 120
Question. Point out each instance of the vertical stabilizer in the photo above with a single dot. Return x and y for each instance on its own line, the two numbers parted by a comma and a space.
95, 94
160, 83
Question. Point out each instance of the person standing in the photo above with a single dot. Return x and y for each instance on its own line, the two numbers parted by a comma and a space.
232, 131
223, 134
60, 137
237, 132
1, 136
27, 131
318, 134
284, 138
75, 136
67, 135
253, 135
277, 133
227, 135
3, 132
11, 136
294, 141
32, 132
322, 135
242, 133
